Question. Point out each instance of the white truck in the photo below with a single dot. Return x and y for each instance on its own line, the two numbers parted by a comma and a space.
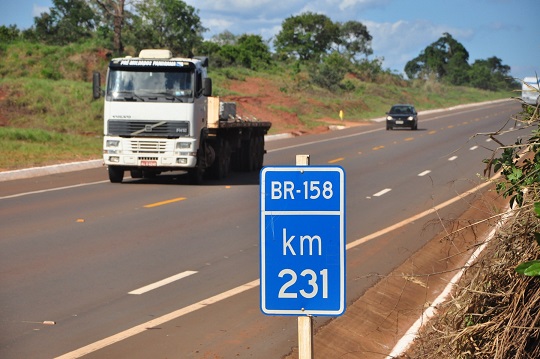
530, 90
159, 115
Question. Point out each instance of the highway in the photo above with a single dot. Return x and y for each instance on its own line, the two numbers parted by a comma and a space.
160, 268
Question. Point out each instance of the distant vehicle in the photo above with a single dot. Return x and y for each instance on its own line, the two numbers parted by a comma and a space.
530, 90
402, 116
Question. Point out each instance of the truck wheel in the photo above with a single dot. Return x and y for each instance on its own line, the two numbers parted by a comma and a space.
196, 176
116, 174
251, 155
138, 173
222, 164
259, 161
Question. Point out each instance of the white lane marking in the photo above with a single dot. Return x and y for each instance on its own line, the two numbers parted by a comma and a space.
158, 321
232, 292
422, 174
380, 193
473, 148
162, 282
52, 189
488, 140
452, 158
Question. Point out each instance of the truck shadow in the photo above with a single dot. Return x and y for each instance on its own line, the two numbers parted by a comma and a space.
182, 178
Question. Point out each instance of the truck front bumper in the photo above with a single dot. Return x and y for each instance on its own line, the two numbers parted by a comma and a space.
149, 153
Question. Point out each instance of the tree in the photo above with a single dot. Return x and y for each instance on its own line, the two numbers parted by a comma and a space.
168, 24
490, 74
225, 38
68, 21
249, 51
113, 12
445, 58
9, 34
355, 38
307, 36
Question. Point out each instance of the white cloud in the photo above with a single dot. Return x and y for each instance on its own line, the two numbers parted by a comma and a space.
37, 10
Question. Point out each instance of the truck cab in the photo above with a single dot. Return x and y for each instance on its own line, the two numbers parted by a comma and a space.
159, 115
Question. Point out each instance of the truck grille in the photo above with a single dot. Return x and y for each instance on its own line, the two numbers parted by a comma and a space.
142, 146
135, 128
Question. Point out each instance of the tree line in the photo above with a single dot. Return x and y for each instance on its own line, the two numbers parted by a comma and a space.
328, 50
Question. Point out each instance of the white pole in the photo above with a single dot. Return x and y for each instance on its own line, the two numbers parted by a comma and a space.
305, 337
305, 323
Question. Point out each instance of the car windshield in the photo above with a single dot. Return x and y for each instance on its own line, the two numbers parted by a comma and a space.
404, 110
126, 85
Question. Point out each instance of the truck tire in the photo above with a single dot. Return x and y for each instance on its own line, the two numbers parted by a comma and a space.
260, 153
222, 163
196, 176
249, 156
116, 174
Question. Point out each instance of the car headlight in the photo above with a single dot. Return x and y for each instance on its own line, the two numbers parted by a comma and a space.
112, 143
389, 118
410, 118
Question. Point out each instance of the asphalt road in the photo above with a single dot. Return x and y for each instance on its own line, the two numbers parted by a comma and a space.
162, 269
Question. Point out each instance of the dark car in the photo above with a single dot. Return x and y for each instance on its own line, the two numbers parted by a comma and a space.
402, 116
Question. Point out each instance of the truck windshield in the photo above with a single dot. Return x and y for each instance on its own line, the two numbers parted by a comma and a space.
126, 85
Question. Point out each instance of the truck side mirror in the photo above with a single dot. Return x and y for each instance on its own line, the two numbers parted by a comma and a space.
207, 87
96, 85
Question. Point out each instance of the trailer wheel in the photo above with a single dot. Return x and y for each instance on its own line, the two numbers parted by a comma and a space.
250, 156
116, 174
260, 153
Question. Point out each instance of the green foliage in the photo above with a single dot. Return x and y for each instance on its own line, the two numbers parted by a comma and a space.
354, 37
446, 60
68, 21
330, 72
519, 166
531, 268
170, 24
307, 36
9, 33
444, 56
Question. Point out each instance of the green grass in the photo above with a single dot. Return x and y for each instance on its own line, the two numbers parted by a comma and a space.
26, 147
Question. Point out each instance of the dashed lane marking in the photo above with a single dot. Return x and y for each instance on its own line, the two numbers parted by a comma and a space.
380, 193
162, 282
152, 205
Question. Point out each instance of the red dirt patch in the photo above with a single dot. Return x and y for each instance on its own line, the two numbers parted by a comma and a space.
264, 101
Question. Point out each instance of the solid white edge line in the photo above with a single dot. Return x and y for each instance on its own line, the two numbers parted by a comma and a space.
158, 321
52, 189
162, 282
410, 335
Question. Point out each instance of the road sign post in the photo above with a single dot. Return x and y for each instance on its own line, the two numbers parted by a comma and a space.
302, 232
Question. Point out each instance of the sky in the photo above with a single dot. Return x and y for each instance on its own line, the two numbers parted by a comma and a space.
401, 29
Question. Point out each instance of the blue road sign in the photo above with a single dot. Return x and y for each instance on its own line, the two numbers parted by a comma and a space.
302, 233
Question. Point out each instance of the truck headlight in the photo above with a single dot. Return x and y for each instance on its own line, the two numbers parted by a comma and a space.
183, 145
112, 143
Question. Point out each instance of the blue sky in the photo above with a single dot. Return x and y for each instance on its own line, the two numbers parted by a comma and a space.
401, 29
